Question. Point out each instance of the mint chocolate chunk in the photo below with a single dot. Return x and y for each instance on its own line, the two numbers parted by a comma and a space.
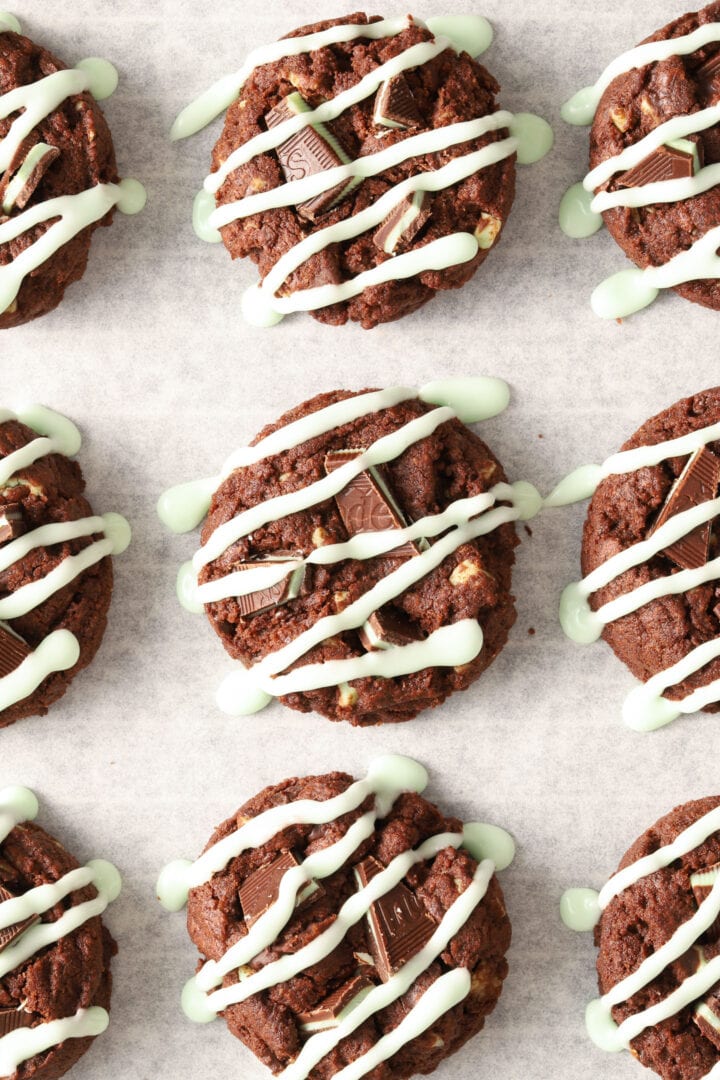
404, 223
395, 105
399, 924
259, 892
13, 650
698, 483
312, 150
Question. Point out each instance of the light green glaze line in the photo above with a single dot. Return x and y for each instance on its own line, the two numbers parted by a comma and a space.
584, 625
260, 303
108, 884
447, 992
450, 646
58, 436
632, 290
662, 191
676, 128
580, 109
299, 191
316, 1048
30, 596
363, 546
685, 842
17, 804
19, 1046
41, 899
604, 1032
58, 652
388, 776
645, 709
385, 449
46, 536
9, 22
415, 56
473, 399
21, 177
221, 94
75, 212
583, 482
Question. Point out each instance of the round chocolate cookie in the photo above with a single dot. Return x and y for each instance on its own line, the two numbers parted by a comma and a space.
629, 508
448, 88
636, 923
364, 963
67, 152
49, 537
469, 587
634, 104
67, 980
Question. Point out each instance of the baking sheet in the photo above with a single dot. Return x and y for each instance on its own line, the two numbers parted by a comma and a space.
150, 357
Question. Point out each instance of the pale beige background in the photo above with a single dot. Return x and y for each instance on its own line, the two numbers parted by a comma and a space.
150, 357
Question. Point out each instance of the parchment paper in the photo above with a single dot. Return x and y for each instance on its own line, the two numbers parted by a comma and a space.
149, 355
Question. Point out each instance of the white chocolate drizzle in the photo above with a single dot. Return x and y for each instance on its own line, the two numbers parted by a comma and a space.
530, 138
387, 779
581, 910
60, 650
249, 690
34, 102
580, 213
645, 708
16, 806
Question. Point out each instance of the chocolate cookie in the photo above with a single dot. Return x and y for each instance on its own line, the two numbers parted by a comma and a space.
55, 953
314, 577
651, 585
655, 161
363, 167
364, 930
58, 148
55, 571
657, 931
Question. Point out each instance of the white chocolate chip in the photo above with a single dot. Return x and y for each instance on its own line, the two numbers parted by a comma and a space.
647, 107
620, 119
488, 228
341, 599
348, 696
464, 572
320, 536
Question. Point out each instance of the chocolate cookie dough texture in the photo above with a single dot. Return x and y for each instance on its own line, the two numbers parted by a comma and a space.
657, 926
652, 562
364, 166
655, 166
357, 558
58, 176
55, 568
55, 953
346, 928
